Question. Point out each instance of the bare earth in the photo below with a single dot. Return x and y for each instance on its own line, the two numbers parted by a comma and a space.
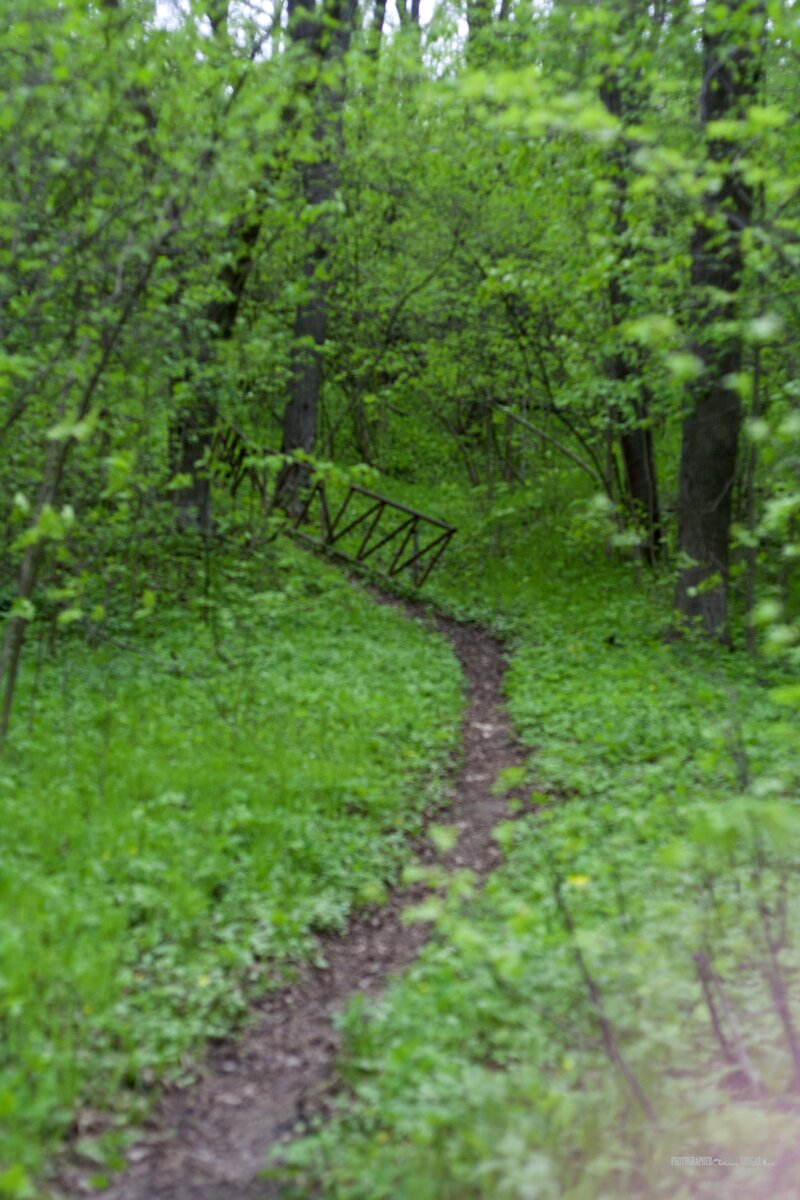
209, 1141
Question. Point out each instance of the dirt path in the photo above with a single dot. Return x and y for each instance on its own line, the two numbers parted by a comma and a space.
209, 1141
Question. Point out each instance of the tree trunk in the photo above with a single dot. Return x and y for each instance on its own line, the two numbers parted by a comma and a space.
192, 432
638, 456
625, 367
55, 463
311, 322
732, 58
191, 437
375, 36
479, 23
324, 36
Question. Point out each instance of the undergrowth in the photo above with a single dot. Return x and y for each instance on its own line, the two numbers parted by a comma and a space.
613, 1014
184, 803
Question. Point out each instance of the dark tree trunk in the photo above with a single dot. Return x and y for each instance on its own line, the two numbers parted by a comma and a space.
300, 416
191, 436
26, 583
732, 58
55, 464
638, 456
217, 13
636, 435
192, 432
376, 29
324, 36
479, 21
408, 12
625, 367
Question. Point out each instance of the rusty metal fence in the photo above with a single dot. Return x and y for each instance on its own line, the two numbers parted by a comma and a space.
368, 529
355, 524
234, 459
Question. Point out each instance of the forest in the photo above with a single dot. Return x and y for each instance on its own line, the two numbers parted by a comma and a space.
400, 599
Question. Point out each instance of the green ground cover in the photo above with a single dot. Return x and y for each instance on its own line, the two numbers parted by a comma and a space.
665, 779
182, 805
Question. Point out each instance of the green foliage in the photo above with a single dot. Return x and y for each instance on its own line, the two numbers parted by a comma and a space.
509, 295
184, 811
665, 827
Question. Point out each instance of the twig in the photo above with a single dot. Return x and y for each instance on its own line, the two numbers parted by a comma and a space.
739, 1050
595, 995
707, 983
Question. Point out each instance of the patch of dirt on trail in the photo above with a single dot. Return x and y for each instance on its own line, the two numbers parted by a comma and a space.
209, 1141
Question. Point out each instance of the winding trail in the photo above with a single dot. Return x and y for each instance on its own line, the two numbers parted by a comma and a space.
209, 1141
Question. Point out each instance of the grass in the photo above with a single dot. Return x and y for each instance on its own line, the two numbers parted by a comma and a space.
183, 804
665, 780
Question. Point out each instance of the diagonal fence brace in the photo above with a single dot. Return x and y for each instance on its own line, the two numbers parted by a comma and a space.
234, 459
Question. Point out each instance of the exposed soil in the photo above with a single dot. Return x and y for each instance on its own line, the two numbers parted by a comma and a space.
209, 1141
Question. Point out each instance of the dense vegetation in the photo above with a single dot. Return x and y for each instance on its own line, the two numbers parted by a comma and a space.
217, 800
529, 268
657, 848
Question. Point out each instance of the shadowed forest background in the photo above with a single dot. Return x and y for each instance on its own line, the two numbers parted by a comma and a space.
532, 270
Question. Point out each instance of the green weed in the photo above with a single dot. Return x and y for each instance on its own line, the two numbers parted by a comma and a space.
610, 1005
191, 800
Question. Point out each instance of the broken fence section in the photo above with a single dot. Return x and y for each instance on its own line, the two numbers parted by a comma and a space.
361, 527
234, 459
368, 529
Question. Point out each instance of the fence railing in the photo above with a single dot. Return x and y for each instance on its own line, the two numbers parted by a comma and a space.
368, 529
234, 459
361, 527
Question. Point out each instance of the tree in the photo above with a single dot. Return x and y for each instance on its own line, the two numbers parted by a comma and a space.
109, 182
88, 231
621, 94
732, 37
322, 38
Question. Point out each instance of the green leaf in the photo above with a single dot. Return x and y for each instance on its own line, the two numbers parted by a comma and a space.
181, 480
24, 608
684, 366
764, 328
766, 611
504, 833
70, 615
429, 909
49, 525
727, 130
766, 116
444, 837
15, 1183
70, 428
656, 329
508, 779
147, 605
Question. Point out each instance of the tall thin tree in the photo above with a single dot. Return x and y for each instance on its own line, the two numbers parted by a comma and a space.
322, 35
732, 62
